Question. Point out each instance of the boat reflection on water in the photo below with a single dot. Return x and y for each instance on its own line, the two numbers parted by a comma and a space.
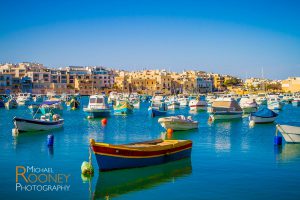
287, 152
115, 183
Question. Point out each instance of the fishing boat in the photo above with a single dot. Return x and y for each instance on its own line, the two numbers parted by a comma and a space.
291, 134
123, 108
140, 154
157, 108
97, 107
248, 105
183, 101
24, 98
296, 101
173, 104
73, 103
54, 106
261, 99
11, 103
198, 104
225, 108
45, 123
275, 104
178, 123
263, 115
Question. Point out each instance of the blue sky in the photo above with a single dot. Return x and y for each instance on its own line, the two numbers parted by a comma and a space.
232, 37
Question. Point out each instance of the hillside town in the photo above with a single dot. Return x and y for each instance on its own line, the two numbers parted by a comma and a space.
38, 79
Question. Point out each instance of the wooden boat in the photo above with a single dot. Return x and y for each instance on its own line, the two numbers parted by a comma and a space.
178, 123
157, 109
140, 154
44, 124
123, 108
24, 98
263, 115
291, 134
97, 107
225, 108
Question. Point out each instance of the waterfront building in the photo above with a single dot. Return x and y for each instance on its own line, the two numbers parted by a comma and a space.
292, 84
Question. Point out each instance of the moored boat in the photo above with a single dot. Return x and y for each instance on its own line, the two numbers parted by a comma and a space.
123, 108
263, 115
157, 108
248, 105
97, 107
291, 134
140, 154
53, 106
275, 104
198, 104
296, 101
178, 123
24, 98
45, 123
225, 108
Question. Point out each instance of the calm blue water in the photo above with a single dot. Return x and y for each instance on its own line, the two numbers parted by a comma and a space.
229, 159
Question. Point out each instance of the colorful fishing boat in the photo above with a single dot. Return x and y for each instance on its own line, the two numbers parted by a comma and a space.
98, 106
140, 154
123, 108
178, 123
263, 115
157, 109
73, 103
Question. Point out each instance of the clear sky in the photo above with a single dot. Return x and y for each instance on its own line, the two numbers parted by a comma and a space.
233, 37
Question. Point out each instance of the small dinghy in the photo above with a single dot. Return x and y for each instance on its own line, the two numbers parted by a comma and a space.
45, 123
263, 115
178, 123
140, 154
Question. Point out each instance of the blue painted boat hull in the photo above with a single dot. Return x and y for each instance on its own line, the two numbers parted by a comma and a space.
154, 112
98, 114
107, 163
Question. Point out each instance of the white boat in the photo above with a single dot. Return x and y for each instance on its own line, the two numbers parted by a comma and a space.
225, 108
261, 99
248, 105
275, 104
178, 123
198, 104
172, 105
262, 116
97, 107
291, 134
45, 123
24, 98
296, 101
183, 101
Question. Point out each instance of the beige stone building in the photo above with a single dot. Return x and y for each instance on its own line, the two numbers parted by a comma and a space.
292, 84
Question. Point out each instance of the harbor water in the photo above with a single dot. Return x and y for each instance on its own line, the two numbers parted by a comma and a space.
230, 160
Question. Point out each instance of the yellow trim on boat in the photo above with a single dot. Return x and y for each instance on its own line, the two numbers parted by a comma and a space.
120, 156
